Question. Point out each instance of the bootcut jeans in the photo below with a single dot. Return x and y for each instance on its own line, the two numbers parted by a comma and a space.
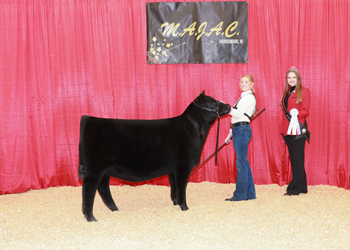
245, 189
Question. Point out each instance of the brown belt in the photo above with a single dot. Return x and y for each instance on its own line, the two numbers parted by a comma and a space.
233, 125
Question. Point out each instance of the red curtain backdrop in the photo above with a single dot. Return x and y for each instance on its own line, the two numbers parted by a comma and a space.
60, 59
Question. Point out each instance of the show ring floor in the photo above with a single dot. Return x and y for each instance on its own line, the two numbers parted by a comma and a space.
52, 219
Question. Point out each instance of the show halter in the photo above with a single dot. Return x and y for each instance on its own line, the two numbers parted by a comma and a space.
217, 132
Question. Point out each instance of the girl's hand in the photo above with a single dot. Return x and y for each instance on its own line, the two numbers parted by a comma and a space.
228, 138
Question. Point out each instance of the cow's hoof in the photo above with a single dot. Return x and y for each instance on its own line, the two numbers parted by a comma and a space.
184, 207
90, 218
114, 209
175, 202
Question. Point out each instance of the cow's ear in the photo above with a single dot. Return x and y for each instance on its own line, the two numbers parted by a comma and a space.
200, 98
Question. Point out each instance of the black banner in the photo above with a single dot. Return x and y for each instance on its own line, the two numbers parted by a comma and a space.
197, 32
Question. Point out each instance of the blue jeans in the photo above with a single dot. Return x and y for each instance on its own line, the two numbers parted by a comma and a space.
245, 189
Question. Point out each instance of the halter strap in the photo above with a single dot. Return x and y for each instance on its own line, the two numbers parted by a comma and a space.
217, 133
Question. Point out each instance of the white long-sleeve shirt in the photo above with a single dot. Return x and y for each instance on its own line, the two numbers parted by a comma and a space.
247, 105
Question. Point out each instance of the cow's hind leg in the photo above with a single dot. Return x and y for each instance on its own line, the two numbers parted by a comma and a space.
90, 185
105, 193
173, 189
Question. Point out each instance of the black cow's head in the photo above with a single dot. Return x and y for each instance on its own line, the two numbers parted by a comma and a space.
208, 103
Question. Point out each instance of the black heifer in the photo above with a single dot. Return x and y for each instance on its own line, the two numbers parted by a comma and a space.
140, 150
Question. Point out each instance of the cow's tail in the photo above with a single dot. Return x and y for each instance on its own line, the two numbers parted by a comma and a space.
81, 168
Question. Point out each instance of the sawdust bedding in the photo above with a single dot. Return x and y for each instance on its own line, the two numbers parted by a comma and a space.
52, 219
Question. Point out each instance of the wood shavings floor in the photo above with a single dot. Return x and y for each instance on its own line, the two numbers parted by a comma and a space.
52, 219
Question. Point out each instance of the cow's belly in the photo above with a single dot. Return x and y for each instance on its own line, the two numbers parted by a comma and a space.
139, 173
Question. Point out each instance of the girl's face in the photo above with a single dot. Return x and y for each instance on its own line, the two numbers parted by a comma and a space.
292, 79
246, 84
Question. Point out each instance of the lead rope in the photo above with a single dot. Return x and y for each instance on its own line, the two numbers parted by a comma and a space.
217, 141
223, 145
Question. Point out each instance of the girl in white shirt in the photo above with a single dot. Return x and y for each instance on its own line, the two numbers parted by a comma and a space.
241, 134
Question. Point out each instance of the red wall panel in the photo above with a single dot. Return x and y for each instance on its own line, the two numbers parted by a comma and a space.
61, 59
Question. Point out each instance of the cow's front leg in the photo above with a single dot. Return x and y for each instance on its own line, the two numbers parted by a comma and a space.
181, 179
173, 189
89, 190
105, 193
